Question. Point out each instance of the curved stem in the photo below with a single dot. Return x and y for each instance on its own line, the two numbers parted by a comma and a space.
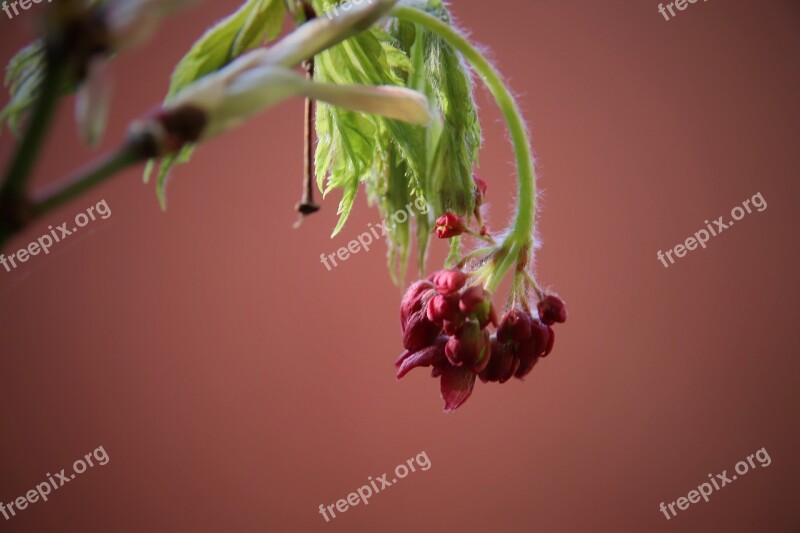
507, 256
521, 234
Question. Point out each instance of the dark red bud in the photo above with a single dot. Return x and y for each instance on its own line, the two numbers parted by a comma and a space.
474, 300
552, 310
432, 355
470, 347
449, 281
526, 363
502, 363
419, 332
454, 351
443, 308
451, 327
515, 326
450, 225
480, 190
178, 127
540, 336
531, 349
414, 299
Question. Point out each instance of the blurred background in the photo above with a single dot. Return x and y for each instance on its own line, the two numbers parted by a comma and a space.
236, 384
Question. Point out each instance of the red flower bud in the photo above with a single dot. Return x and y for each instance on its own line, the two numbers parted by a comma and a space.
515, 326
414, 300
470, 346
432, 355
456, 382
540, 337
450, 225
449, 281
502, 363
552, 310
443, 308
451, 327
530, 350
480, 190
526, 363
473, 299
419, 332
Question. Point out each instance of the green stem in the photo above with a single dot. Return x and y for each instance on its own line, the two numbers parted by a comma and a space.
476, 253
83, 180
18, 172
519, 239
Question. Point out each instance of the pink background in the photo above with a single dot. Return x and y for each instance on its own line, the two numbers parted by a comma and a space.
237, 385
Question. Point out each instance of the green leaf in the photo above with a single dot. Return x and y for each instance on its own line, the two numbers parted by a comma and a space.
253, 24
400, 163
24, 75
455, 148
263, 24
248, 27
353, 148
346, 205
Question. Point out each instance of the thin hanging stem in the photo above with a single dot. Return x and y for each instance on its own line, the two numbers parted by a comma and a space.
307, 206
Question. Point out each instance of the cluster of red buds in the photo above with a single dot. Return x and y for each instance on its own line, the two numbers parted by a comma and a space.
446, 326
446, 318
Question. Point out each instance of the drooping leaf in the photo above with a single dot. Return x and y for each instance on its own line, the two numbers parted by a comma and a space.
346, 156
455, 149
401, 163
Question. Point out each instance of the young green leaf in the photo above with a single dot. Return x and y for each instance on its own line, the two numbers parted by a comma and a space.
398, 162
253, 24
454, 149
354, 148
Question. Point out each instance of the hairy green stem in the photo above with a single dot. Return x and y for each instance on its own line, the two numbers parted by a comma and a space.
18, 172
518, 240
